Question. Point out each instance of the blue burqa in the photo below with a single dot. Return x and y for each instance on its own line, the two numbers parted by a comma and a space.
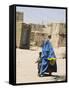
47, 52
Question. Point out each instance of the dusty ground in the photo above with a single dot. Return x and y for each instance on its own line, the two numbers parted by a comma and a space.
26, 68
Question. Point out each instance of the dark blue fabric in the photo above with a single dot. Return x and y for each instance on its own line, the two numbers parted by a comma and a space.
47, 52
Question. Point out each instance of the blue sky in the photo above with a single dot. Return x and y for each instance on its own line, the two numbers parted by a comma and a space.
42, 15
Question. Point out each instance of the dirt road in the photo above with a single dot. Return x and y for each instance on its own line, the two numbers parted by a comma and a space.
26, 68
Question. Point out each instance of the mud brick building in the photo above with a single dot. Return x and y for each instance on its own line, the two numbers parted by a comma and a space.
33, 34
22, 32
19, 21
37, 34
41, 32
58, 33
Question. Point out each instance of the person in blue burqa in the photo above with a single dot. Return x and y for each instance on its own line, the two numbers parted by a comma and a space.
48, 58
